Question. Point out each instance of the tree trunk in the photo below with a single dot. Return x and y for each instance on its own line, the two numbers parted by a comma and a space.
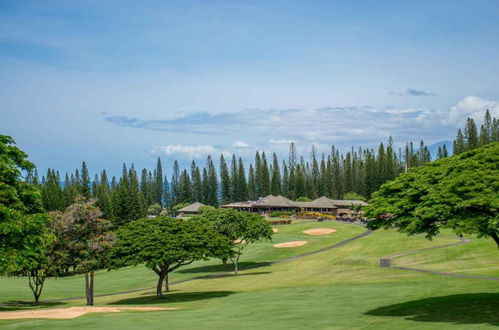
496, 239
236, 265
89, 287
159, 287
36, 284
224, 261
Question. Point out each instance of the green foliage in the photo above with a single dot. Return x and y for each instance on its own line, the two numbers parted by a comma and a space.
164, 244
241, 228
205, 208
154, 209
459, 192
354, 196
179, 206
303, 199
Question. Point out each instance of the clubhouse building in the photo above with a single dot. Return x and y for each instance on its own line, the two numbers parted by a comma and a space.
273, 203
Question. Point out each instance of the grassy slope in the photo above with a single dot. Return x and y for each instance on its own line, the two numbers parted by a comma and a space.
337, 289
478, 257
130, 278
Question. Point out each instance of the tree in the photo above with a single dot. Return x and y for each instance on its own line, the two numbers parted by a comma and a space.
87, 239
225, 181
154, 209
471, 134
459, 192
158, 184
275, 182
163, 245
22, 222
240, 227
459, 144
353, 196
85, 181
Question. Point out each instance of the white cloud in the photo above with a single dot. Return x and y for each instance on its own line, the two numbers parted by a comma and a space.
240, 144
186, 151
470, 106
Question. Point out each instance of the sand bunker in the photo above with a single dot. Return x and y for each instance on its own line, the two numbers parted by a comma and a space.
290, 244
72, 312
275, 230
239, 241
319, 231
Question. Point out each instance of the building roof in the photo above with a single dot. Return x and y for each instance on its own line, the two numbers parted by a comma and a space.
194, 207
348, 202
275, 201
319, 203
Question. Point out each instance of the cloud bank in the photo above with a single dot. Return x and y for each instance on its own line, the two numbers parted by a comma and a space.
413, 92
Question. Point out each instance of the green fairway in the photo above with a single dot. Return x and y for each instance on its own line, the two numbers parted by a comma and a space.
342, 288
14, 289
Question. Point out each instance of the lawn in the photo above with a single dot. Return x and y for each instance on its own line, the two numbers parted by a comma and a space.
343, 288
132, 278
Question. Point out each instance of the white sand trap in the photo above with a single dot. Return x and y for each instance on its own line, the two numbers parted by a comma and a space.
238, 241
290, 244
319, 231
275, 230
72, 312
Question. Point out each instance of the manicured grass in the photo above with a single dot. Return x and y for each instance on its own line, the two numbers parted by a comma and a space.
130, 278
343, 288
478, 257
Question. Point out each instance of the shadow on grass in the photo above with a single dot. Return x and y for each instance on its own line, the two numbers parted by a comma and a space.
24, 305
173, 297
471, 308
220, 268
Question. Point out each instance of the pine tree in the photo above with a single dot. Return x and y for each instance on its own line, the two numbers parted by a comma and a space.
175, 183
85, 181
258, 175
234, 180
471, 134
225, 184
285, 180
264, 176
275, 184
158, 196
212, 197
242, 186
445, 153
251, 184
459, 144
197, 182
185, 193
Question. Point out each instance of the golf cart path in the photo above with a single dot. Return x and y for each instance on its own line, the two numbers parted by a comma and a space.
387, 262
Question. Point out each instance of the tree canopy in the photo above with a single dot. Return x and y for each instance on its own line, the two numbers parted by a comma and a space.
164, 244
241, 228
459, 192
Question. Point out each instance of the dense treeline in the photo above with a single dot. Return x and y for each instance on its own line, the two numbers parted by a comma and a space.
471, 138
360, 171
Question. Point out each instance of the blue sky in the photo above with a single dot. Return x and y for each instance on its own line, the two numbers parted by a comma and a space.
126, 81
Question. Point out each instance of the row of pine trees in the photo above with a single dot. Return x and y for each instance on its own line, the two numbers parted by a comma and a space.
360, 171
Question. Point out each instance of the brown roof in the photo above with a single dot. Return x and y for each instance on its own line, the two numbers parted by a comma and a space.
194, 207
275, 201
319, 203
348, 202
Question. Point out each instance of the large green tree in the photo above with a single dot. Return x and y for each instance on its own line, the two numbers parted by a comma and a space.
240, 227
459, 192
164, 244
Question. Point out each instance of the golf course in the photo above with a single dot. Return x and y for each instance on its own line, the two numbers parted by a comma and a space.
318, 285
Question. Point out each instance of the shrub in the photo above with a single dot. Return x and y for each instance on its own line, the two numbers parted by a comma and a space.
281, 214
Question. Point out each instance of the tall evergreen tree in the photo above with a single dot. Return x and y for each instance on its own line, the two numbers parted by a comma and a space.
197, 182
225, 184
275, 184
251, 184
85, 181
459, 144
471, 134
158, 196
